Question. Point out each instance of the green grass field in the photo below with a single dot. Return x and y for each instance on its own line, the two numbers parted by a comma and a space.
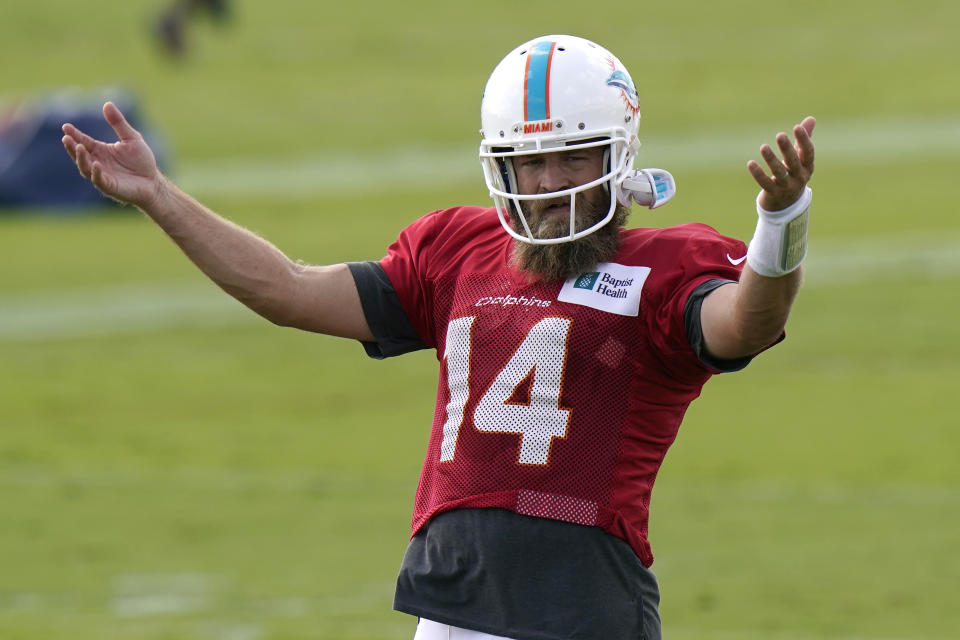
172, 467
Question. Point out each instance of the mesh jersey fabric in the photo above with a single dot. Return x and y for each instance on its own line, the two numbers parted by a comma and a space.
551, 408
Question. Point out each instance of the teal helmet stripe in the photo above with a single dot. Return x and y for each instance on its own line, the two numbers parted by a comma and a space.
536, 82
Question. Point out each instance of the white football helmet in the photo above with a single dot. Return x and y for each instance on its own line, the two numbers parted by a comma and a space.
557, 93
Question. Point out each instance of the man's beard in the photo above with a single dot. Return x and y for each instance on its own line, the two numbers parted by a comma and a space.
566, 259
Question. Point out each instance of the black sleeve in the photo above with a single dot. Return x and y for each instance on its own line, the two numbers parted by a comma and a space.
691, 316
393, 333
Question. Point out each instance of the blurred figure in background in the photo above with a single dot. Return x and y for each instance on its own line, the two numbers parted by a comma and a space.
171, 27
34, 174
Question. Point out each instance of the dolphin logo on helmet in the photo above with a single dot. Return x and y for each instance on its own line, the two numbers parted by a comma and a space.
622, 81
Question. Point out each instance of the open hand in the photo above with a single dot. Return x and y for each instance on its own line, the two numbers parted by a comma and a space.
125, 170
789, 176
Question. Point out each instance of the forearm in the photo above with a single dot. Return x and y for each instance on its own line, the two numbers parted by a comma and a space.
321, 299
741, 319
243, 264
762, 306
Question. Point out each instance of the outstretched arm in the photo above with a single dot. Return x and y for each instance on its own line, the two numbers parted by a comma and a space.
321, 299
743, 318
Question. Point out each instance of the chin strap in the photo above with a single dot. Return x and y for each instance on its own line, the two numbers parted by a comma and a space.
648, 187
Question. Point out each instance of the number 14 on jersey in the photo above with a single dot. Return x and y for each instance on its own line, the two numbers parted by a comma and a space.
538, 363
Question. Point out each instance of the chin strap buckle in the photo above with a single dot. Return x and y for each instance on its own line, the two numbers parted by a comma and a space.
648, 187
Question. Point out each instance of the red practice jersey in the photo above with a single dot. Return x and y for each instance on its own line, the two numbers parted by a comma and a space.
556, 399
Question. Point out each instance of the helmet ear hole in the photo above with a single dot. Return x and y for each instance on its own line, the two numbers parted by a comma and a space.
607, 167
504, 174
507, 175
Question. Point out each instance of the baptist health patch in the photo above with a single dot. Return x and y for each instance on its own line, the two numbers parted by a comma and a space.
614, 288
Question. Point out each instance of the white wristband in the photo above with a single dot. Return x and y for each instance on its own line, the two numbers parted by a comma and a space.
779, 244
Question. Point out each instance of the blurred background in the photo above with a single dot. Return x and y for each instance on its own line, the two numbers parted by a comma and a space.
171, 466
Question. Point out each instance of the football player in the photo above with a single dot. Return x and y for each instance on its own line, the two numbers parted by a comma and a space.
569, 347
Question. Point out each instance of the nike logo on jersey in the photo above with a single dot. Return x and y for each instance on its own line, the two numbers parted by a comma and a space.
737, 261
613, 287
